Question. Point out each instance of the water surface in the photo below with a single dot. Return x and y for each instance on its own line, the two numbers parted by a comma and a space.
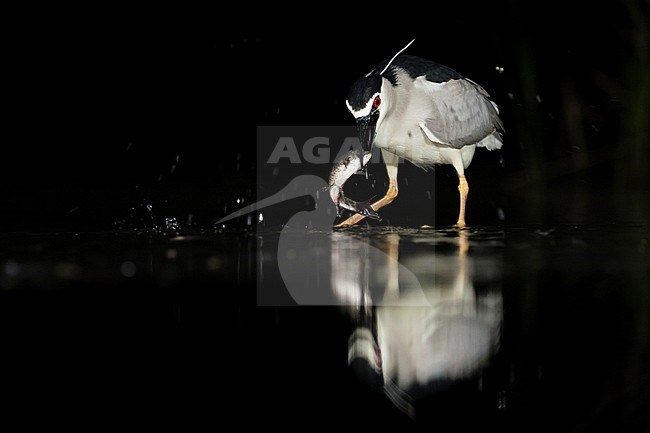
528, 328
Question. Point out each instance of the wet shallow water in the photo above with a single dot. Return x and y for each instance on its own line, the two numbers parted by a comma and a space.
523, 328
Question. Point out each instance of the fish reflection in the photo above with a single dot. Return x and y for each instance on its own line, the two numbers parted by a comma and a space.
418, 337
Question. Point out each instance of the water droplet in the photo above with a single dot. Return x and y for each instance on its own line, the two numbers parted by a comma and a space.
128, 269
11, 268
429, 195
249, 220
544, 232
501, 214
511, 96
238, 201
190, 217
149, 207
502, 161
406, 181
260, 218
499, 69
501, 400
171, 170
539, 98
178, 156
171, 224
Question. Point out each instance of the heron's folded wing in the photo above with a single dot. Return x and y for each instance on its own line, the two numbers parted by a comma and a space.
460, 112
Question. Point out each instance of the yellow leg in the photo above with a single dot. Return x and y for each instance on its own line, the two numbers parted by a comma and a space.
463, 189
387, 199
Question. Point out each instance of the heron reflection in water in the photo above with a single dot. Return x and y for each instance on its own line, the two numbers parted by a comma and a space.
422, 325
416, 342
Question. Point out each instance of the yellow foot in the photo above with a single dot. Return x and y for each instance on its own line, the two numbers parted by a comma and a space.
426, 226
350, 221
387, 199
460, 224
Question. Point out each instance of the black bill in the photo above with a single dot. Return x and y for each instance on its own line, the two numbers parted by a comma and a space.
367, 128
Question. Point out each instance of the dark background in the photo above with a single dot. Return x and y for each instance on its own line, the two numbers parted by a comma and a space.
111, 111
119, 119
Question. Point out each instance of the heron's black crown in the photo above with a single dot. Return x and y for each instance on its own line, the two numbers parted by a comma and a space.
416, 67
362, 90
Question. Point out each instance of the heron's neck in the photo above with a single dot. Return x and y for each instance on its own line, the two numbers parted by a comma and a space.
389, 98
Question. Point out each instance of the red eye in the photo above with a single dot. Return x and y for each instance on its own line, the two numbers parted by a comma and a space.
377, 102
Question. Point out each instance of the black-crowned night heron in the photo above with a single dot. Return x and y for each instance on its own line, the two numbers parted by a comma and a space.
426, 113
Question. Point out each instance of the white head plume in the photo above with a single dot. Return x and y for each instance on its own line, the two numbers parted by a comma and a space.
398, 53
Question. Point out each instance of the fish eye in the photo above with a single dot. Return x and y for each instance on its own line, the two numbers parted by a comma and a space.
377, 102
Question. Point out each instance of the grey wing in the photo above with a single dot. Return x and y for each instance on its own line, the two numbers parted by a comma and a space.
460, 112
